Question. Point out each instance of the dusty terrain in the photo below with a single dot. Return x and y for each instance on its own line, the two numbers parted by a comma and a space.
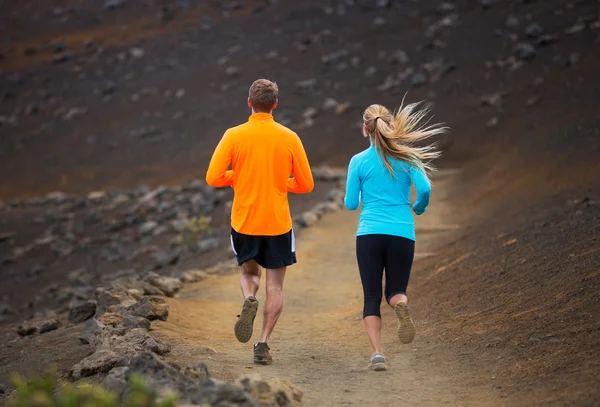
506, 304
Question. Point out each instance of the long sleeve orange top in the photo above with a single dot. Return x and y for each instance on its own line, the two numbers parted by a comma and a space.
262, 154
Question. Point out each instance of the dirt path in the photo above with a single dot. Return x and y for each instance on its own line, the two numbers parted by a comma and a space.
320, 343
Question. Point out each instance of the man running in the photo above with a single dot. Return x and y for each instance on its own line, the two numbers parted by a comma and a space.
262, 154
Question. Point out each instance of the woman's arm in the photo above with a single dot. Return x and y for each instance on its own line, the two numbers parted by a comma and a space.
352, 199
423, 188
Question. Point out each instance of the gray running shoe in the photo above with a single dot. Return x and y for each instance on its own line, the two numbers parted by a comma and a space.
261, 354
406, 326
245, 323
378, 362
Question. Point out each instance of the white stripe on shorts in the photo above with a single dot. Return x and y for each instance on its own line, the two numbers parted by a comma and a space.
232, 246
293, 242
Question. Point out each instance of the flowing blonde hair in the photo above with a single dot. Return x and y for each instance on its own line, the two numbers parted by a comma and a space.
395, 135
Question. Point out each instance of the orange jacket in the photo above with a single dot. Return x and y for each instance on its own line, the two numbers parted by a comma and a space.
262, 154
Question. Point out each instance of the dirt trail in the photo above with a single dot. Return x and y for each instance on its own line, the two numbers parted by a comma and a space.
320, 343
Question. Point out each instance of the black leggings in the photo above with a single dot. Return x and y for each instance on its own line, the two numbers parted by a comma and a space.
376, 253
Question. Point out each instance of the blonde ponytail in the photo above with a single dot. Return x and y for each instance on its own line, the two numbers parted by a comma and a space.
395, 135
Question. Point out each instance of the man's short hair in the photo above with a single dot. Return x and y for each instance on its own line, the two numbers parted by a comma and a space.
263, 94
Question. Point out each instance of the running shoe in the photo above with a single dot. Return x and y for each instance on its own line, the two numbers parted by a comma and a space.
406, 326
261, 354
378, 362
245, 323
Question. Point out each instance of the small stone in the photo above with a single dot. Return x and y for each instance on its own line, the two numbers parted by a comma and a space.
207, 245
306, 84
91, 328
546, 39
99, 362
418, 79
61, 57
399, 57
512, 21
532, 100
168, 285
307, 219
370, 71
574, 58
29, 328
193, 276
578, 27
32, 109
180, 93
445, 8
493, 122
47, 325
5, 309
137, 52
82, 311
524, 51
233, 71
147, 228
342, 107
97, 195
151, 308
534, 30
74, 112
329, 104
310, 113
112, 4
379, 22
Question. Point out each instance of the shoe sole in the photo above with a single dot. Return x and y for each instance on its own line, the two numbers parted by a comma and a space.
379, 367
261, 361
406, 326
245, 323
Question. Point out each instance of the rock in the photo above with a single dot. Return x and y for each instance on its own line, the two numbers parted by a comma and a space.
137, 52
310, 113
534, 30
512, 21
574, 58
100, 362
546, 39
329, 104
524, 51
305, 85
275, 392
151, 308
233, 71
418, 79
116, 380
91, 329
493, 122
147, 228
57, 197
133, 341
306, 219
325, 173
61, 57
578, 27
167, 285
399, 57
193, 276
112, 4
445, 8
438, 68
74, 112
164, 258
82, 311
494, 99
180, 93
32, 109
209, 244
5, 309
97, 195
29, 328
336, 195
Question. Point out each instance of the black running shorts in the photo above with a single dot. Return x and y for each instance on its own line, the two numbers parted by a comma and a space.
270, 252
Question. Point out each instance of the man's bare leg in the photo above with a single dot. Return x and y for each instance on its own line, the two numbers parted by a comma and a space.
249, 282
273, 303
250, 279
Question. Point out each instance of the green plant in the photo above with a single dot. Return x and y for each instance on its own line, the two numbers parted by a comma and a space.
193, 231
45, 391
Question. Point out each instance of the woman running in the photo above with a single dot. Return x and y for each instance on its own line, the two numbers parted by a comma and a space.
381, 177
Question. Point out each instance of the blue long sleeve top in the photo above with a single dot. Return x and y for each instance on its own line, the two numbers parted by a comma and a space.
385, 199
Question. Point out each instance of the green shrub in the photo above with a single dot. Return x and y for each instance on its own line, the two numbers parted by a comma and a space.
194, 231
45, 391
